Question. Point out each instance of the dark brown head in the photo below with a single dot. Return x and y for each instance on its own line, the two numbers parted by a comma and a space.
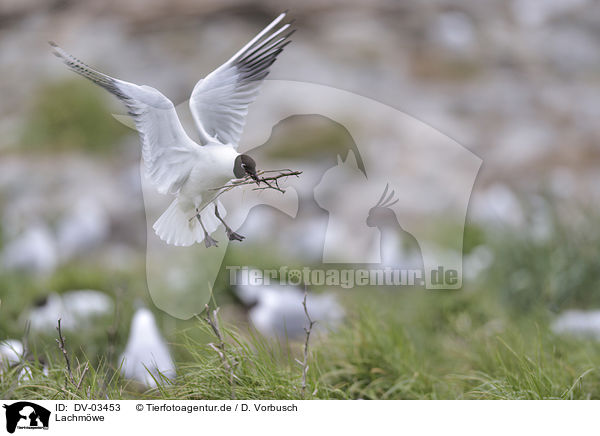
245, 166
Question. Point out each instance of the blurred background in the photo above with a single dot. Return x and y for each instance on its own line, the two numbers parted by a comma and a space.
514, 82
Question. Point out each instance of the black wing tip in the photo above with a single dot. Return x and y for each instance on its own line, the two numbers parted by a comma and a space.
290, 33
56, 50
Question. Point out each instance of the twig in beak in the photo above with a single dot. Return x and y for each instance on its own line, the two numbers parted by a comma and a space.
250, 180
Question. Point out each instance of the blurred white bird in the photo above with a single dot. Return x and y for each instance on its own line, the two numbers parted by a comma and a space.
146, 356
85, 226
578, 323
11, 354
176, 164
277, 310
76, 309
34, 250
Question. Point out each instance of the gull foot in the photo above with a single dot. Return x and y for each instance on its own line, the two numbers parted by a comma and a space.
210, 242
233, 236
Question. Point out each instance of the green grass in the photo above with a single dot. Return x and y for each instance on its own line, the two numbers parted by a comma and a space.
263, 369
71, 115
556, 272
490, 340
444, 351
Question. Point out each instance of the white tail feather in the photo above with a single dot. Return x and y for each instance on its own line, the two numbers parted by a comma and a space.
175, 227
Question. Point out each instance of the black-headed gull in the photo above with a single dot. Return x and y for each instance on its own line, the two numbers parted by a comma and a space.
12, 353
175, 163
146, 357
277, 310
77, 310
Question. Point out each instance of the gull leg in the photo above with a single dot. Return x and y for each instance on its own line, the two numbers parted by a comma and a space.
233, 236
208, 241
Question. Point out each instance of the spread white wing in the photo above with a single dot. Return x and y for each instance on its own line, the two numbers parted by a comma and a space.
167, 150
219, 102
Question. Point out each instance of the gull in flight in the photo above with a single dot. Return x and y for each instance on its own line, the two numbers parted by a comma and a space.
176, 164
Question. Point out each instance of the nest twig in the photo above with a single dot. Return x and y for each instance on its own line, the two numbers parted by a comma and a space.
272, 182
63, 348
262, 178
307, 330
61, 344
229, 365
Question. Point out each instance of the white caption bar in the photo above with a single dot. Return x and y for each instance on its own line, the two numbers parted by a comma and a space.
295, 417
